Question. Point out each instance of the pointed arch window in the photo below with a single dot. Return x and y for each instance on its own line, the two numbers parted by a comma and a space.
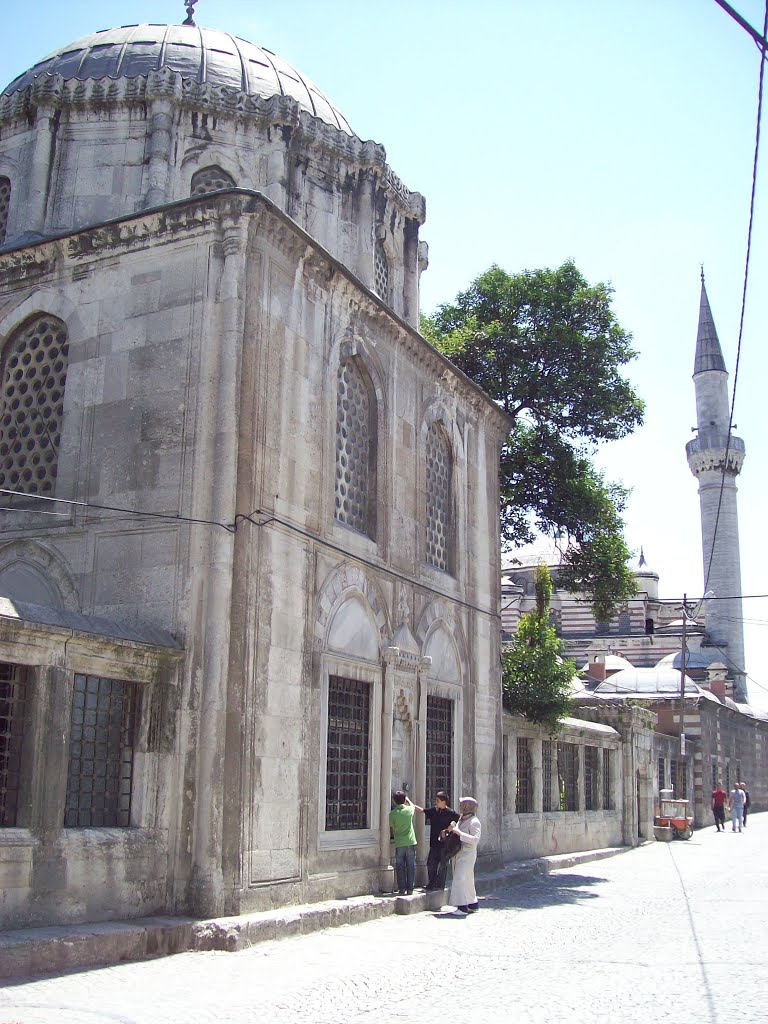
439, 485
355, 448
34, 373
5, 206
210, 179
624, 623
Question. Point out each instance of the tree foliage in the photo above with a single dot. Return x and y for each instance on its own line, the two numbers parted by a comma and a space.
536, 681
546, 346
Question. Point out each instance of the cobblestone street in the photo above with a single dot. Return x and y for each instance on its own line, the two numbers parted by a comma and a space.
673, 931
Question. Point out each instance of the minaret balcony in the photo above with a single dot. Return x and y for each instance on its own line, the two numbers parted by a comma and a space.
707, 452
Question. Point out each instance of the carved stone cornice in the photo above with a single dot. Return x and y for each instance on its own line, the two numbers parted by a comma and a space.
307, 132
712, 460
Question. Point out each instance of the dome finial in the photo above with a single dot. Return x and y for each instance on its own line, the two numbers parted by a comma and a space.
702, 272
190, 6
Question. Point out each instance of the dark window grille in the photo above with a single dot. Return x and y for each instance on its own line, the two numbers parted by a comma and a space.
623, 624
5, 206
568, 775
13, 698
662, 774
607, 781
439, 499
101, 750
547, 752
355, 449
439, 745
524, 780
591, 778
714, 773
727, 776
210, 179
346, 771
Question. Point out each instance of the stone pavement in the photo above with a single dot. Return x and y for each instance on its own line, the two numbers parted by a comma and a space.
675, 931
30, 951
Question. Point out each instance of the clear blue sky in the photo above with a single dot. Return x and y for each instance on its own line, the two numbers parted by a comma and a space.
618, 133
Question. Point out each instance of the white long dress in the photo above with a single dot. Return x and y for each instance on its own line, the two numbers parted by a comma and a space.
463, 886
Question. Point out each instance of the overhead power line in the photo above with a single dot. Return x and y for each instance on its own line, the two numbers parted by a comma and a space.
763, 43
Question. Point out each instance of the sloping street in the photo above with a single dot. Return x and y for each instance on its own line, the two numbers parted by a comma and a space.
670, 931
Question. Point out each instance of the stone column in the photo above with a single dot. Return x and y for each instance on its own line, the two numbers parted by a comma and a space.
365, 225
218, 450
40, 172
159, 152
411, 273
386, 869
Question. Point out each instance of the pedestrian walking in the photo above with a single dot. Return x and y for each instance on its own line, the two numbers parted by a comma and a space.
737, 807
719, 800
439, 818
747, 802
463, 895
401, 826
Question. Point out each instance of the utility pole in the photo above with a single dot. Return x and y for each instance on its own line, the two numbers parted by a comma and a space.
682, 682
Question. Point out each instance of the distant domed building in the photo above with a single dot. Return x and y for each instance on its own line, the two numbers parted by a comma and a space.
249, 537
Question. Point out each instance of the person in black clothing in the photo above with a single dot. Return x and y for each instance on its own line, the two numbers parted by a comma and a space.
438, 817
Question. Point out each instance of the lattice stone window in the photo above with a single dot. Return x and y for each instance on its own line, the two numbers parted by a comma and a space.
607, 781
624, 624
355, 449
34, 373
101, 752
381, 272
439, 498
13, 699
5, 206
439, 745
524, 778
568, 775
591, 778
210, 179
547, 755
346, 768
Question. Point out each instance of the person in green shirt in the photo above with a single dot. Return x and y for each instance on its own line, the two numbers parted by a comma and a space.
401, 826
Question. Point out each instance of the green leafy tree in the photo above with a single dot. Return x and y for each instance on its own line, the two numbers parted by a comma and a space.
546, 346
536, 681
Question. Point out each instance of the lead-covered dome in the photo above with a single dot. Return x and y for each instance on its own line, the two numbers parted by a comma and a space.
203, 55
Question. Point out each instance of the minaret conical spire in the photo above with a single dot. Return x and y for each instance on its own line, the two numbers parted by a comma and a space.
709, 355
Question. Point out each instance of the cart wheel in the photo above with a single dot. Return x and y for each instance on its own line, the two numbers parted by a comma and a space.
684, 833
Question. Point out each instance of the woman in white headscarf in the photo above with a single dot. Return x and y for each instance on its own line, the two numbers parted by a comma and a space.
468, 829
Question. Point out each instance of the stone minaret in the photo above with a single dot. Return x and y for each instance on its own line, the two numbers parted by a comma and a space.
716, 463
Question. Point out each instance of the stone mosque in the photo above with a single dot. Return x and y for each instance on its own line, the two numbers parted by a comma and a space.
248, 539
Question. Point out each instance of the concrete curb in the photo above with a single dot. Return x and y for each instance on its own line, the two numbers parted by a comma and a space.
33, 951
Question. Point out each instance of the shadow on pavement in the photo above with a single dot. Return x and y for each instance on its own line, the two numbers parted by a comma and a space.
545, 891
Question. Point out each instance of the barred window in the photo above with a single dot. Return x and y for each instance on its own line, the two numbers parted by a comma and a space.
607, 781
5, 206
101, 752
591, 778
714, 773
346, 770
34, 373
355, 449
13, 699
727, 776
547, 754
677, 771
381, 272
210, 179
623, 624
662, 774
439, 745
524, 779
439, 498
568, 775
